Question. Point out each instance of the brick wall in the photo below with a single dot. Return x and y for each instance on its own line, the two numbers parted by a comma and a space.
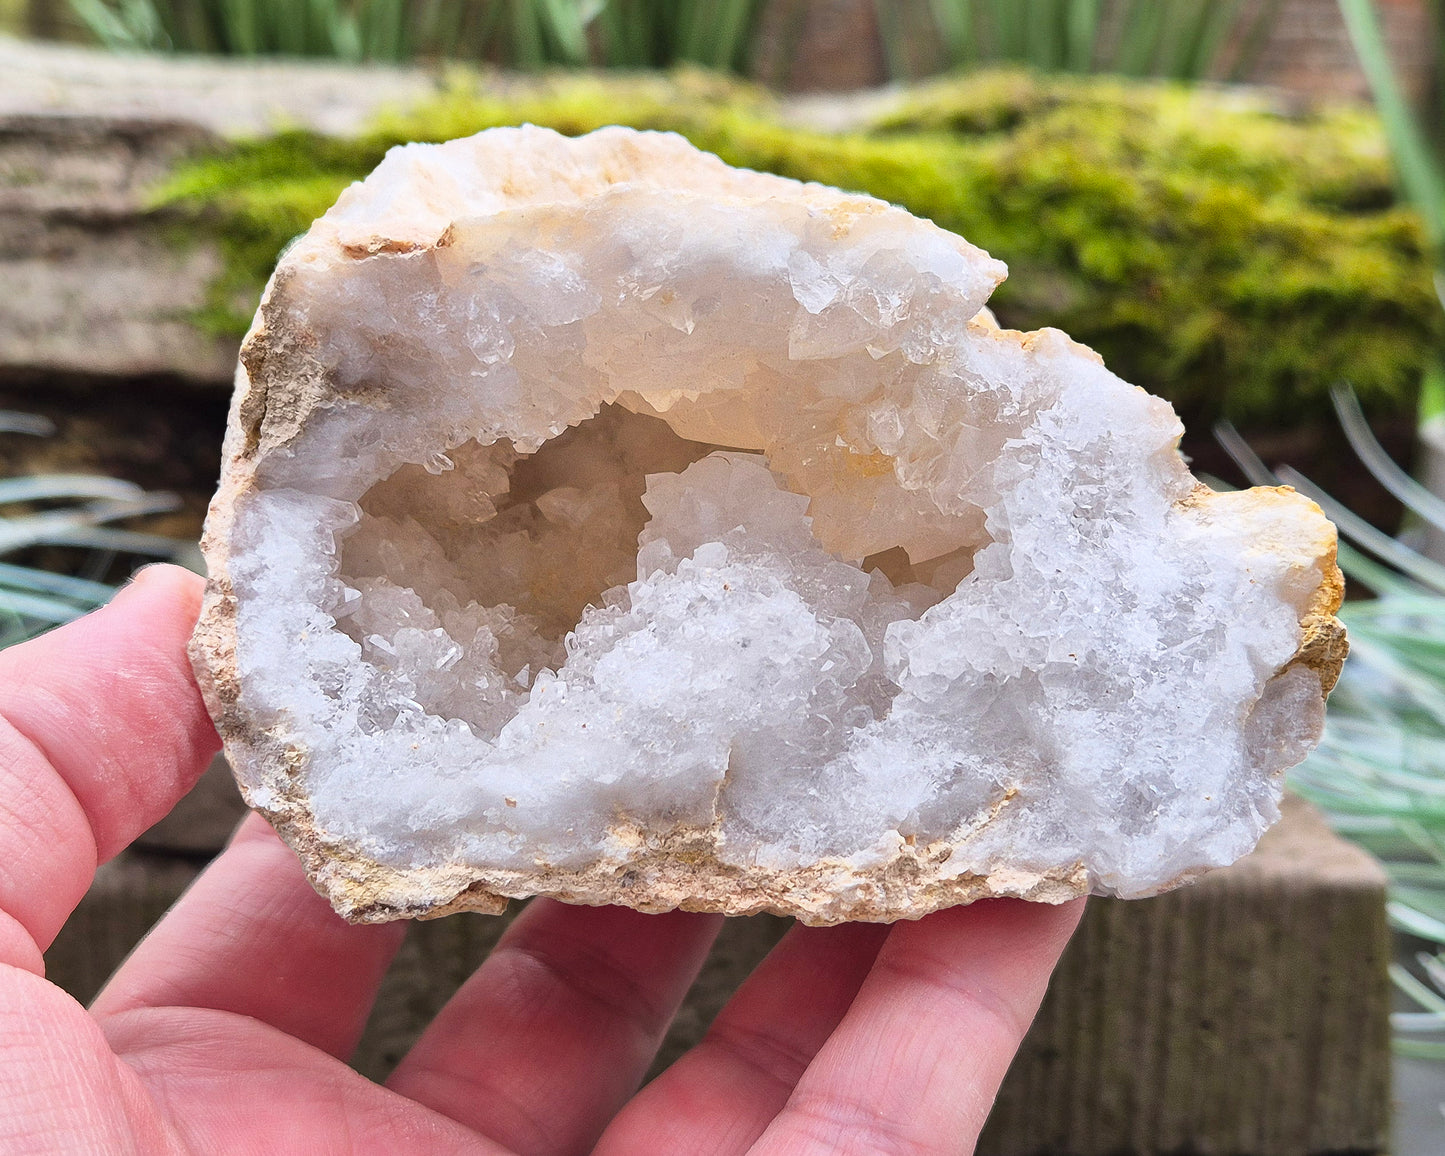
1310, 51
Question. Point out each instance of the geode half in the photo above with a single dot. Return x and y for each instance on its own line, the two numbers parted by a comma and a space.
602, 522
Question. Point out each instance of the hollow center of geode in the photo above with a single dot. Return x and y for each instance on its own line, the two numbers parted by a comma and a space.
546, 533
470, 571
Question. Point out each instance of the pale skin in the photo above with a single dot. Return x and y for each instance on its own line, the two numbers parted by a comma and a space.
228, 1029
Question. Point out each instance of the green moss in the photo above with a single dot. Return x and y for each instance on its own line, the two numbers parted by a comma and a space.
1224, 255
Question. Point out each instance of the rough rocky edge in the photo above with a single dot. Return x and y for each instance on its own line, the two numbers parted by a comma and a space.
602, 522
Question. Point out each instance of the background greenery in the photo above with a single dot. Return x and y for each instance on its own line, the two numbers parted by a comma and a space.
1377, 772
1182, 39
518, 33
1179, 39
74, 512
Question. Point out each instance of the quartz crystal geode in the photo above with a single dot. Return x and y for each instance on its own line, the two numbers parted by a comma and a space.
602, 522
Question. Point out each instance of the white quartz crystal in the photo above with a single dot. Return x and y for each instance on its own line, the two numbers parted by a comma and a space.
604, 522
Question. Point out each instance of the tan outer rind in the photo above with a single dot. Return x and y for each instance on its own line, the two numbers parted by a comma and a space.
657, 871
1323, 645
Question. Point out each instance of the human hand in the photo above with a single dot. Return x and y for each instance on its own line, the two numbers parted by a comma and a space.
228, 1027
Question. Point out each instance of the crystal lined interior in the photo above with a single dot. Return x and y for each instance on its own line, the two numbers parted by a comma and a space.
658, 508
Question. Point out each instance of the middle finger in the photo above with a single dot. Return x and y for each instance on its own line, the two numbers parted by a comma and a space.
542, 1046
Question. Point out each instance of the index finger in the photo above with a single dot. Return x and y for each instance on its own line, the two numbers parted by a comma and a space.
102, 729
916, 1063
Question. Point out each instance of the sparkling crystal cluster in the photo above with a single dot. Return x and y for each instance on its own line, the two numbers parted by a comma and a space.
604, 522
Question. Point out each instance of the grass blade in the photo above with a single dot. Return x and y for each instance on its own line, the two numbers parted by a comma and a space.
1417, 924
1083, 34
563, 33
26, 423
1043, 31
1211, 35
1364, 535
76, 589
75, 526
1138, 38
893, 33
954, 21
1429, 1000
1419, 172
50, 611
125, 541
1420, 1049
1361, 568
1362, 440
1418, 1021
1253, 41
48, 487
1242, 454
111, 27
1010, 20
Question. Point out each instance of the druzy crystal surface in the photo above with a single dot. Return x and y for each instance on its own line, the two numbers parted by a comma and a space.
604, 522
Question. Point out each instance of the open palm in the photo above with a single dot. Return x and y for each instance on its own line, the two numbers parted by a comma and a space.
228, 1028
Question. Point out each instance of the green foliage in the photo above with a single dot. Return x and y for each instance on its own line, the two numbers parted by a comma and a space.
519, 33
1231, 259
70, 510
660, 33
1177, 39
1419, 161
525, 34
1377, 772
1420, 166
